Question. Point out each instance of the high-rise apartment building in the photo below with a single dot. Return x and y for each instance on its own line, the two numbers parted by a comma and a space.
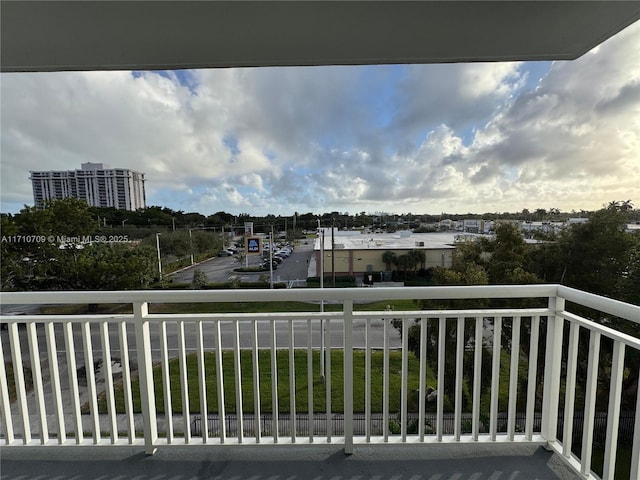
96, 183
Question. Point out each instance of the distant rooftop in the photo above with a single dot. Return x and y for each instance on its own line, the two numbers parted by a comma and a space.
95, 166
355, 240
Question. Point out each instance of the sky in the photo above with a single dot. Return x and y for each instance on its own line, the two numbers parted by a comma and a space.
455, 138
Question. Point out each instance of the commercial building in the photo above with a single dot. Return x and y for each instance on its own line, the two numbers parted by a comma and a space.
97, 183
357, 254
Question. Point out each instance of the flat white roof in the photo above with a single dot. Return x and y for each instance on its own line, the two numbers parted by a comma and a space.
391, 241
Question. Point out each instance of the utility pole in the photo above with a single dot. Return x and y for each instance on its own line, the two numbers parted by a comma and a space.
333, 252
322, 352
191, 246
271, 259
159, 261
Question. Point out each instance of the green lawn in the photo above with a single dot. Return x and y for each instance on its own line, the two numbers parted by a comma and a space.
264, 367
228, 307
269, 307
301, 397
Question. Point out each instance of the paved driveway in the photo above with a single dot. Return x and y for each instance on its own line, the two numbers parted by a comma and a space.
219, 269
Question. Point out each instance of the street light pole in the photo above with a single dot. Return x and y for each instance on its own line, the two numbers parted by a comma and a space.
333, 253
271, 259
159, 261
191, 246
322, 353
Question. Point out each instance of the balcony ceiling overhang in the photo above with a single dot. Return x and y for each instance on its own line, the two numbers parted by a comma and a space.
155, 35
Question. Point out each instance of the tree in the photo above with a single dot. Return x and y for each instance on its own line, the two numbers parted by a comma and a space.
419, 258
11, 254
31, 262
200, 279
65, 255
621, 205
69, 217
403, 263
540, 213
507, 254
595, 255
106, 266
468, 252
471, 274
389, 258
630, 282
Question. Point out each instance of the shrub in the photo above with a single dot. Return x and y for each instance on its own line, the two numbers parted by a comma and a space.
200, 279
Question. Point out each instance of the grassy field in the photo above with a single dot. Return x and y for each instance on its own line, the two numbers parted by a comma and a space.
227, 307
268, 307
300, 362
301, 396
264, 368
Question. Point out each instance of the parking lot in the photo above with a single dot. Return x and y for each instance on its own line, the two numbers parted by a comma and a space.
221, 269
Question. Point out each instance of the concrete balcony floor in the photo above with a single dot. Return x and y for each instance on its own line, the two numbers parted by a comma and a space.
379, 462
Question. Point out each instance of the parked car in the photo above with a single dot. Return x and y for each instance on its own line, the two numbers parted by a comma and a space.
265, 264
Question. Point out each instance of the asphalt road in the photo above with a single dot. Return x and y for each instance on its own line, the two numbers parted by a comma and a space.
227, 333
221, 269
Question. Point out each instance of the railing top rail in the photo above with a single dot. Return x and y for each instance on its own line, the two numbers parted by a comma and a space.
603, 304
244, 317
604, 330
468, 313
97, 318
258, 295
279, 316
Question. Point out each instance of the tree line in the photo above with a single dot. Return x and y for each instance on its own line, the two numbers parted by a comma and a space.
65, 247
598, 256
155, 218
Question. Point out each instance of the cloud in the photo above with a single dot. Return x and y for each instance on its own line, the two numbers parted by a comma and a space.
425, 138
582, 122
458, 95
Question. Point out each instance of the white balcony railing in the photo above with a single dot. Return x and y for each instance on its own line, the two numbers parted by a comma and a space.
135, 397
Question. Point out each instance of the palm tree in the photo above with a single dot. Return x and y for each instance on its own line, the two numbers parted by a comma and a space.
419, 257
626, 206
408, 261
622, 206
403, 262
389, 258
